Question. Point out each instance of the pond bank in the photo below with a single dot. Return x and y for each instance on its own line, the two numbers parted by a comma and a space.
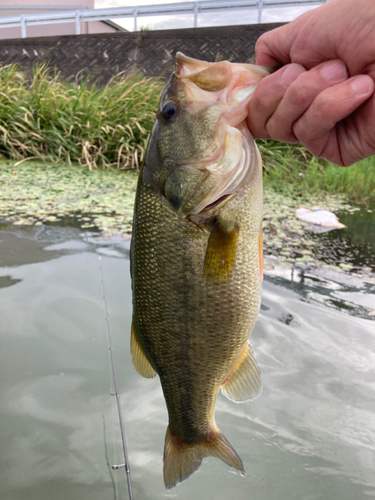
101, 202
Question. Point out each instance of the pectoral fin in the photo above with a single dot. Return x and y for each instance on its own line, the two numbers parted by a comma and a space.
221, 253
244, 383
140, 362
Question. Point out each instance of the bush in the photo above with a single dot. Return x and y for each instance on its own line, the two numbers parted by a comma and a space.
50, 118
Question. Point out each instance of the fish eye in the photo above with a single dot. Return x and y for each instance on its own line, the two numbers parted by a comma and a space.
170, 110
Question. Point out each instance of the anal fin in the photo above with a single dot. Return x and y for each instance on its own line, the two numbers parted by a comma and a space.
244, 383
140, 361
221, 252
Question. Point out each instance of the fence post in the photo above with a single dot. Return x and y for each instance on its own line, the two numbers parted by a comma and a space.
78, 22
195, 15
260, 7
135, 20
23, 27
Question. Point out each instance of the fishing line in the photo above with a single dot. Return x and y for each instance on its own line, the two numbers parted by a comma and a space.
114, 428
126, 465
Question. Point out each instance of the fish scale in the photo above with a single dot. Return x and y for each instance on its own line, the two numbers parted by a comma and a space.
183, 321
192, 321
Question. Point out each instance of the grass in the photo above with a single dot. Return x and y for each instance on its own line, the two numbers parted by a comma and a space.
291, 170
357, 181
48, 118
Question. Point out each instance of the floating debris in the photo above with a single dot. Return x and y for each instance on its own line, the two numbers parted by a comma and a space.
289, 239
323, 218
101, 203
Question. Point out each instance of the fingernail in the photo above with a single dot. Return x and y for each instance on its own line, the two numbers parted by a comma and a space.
362, 85
334, 71
291, 73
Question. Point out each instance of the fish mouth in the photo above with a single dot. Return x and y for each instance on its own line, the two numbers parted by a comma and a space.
216, 203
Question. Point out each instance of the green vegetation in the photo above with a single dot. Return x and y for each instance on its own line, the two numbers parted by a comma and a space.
48, 118
100, 202
291, 170
36, 193
357, 181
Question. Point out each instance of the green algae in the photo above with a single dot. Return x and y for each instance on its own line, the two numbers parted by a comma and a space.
288, 239
43, 193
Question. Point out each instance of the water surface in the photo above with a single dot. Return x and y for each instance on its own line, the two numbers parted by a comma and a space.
311, 434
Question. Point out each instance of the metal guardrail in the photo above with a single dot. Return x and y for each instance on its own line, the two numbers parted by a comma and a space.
78, 16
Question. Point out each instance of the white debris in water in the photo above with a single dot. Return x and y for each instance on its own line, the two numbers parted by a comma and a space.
323, 218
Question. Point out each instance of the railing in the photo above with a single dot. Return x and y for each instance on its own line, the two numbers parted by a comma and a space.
194, 8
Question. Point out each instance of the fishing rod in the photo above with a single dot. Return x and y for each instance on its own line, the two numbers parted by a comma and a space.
125, 465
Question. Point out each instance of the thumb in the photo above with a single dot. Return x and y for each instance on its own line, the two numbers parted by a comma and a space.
273, 48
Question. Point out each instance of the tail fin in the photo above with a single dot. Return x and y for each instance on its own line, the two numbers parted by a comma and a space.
182, 457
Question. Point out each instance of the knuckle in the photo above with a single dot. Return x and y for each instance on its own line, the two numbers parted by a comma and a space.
261, 98
308, 141
322, 104
299, 95
301, 132
257, 105
280, 131
263, 135
261, 44
256, 125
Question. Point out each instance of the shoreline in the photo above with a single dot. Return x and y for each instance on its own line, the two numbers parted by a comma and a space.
100, 202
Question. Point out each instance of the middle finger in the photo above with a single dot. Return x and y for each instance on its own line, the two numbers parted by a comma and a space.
299, 96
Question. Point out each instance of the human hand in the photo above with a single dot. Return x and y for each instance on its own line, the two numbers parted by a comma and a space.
326, 104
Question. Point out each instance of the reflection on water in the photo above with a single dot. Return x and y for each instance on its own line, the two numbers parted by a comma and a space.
311, 434
7, 281
350, 293
355, 244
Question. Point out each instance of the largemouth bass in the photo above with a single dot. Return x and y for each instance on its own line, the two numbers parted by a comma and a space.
196, 256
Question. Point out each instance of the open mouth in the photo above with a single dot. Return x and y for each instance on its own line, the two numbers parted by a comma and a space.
215, 203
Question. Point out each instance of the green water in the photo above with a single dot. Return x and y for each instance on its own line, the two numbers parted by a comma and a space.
311, 434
